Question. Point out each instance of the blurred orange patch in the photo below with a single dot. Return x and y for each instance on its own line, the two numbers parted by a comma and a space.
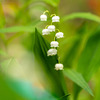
95, 6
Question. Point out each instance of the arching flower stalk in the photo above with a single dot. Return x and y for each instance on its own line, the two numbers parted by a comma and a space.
54, 44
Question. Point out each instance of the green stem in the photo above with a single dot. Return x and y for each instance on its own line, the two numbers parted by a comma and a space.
58, 59
58, 30
51, 23
54, 38
46, 26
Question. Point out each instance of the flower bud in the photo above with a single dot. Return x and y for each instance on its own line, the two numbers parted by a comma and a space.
59, 66
55, 19
59, 35
54, 44
51, 52
51, 28
45, 32
43, 18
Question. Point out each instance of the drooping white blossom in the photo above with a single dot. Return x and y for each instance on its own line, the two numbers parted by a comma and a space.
59, 66
51, 52
54, 44
43, 18
59, 35
51, 28
55, 19
45, 32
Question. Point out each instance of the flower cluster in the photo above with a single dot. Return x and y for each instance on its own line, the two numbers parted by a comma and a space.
51, 28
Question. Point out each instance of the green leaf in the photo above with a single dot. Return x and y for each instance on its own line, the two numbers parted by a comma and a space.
54, 78
76, 40
6, 93
89, 61
27, 90
17, 29
78, 79
52, 2
70, 57
3, 53
2, 16
97, 85
83, 15
23, 88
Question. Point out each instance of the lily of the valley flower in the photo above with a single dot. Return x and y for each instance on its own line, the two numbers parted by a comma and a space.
45, 32
54, 44
51, 28
59, 35
55, 19
51, 52
43, 17
59, 66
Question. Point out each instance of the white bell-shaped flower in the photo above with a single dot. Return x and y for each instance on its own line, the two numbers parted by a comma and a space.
55, 19
43, 18
54, 44
51, 52
59, 66
59, 35
51, 28
45, 32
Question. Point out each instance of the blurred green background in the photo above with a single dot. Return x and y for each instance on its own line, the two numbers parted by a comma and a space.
25, 71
